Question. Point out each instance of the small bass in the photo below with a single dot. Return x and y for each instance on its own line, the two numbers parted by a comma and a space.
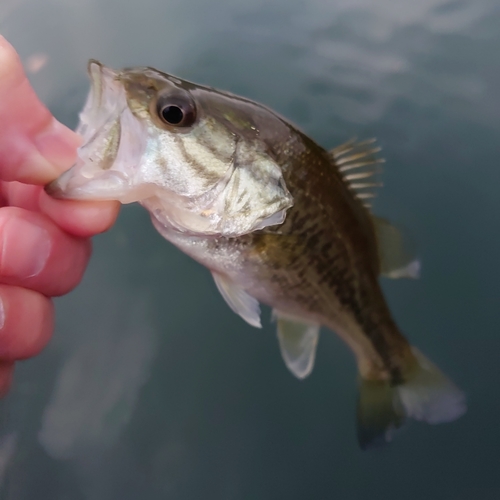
277, 220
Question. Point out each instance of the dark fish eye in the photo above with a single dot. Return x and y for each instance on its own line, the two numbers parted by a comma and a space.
178, 111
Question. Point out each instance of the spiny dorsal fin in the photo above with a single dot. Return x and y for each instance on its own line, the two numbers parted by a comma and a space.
358, 165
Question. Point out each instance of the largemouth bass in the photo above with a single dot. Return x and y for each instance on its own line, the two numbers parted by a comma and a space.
276, 218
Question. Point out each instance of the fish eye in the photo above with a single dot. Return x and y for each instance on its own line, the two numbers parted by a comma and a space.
177, 110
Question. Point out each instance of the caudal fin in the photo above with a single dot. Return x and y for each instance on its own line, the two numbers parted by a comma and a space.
427, 395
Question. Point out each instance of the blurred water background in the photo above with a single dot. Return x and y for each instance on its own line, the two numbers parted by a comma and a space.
152, 388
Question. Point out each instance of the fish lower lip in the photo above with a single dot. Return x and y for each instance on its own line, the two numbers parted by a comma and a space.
77, 185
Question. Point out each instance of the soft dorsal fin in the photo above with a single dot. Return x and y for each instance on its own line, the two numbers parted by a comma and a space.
396, 251
358, 165
238, 300
298, 342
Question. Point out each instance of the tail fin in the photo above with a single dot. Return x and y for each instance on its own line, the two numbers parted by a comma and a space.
427, 395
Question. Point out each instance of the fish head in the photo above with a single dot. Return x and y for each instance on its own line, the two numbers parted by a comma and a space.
191, 155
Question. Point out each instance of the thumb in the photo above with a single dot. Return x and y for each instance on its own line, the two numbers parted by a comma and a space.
34, 147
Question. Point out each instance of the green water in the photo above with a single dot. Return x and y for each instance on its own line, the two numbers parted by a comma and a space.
152, 388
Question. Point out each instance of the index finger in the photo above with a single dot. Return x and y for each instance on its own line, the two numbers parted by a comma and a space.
34, 147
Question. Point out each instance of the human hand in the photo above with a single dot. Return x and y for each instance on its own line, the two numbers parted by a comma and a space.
44, 243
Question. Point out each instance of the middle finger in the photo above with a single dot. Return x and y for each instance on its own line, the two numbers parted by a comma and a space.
37, 254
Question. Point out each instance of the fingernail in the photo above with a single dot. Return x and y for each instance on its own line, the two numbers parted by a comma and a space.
36, 169
57, 143
25, 249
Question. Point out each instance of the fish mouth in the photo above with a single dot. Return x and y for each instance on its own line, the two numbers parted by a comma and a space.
71, 186
104, 99
99, 173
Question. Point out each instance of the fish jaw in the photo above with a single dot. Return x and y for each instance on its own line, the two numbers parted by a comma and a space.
114, 141
72, 185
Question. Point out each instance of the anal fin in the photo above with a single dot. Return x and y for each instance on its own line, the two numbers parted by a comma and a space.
298, 342
238, 300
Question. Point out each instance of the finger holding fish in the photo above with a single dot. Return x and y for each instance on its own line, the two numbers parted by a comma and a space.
44, 245
35, 148
38, 255
80, 218
37, 260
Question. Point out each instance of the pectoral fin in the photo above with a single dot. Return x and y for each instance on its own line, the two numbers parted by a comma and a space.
396, 251
298, 342
238, 300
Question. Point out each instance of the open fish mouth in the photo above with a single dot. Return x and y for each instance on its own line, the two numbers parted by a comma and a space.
112, 140
200, 177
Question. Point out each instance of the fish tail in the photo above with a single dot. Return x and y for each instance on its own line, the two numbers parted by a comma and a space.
427, 395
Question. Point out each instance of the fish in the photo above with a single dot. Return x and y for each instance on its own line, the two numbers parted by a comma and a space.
277, 219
